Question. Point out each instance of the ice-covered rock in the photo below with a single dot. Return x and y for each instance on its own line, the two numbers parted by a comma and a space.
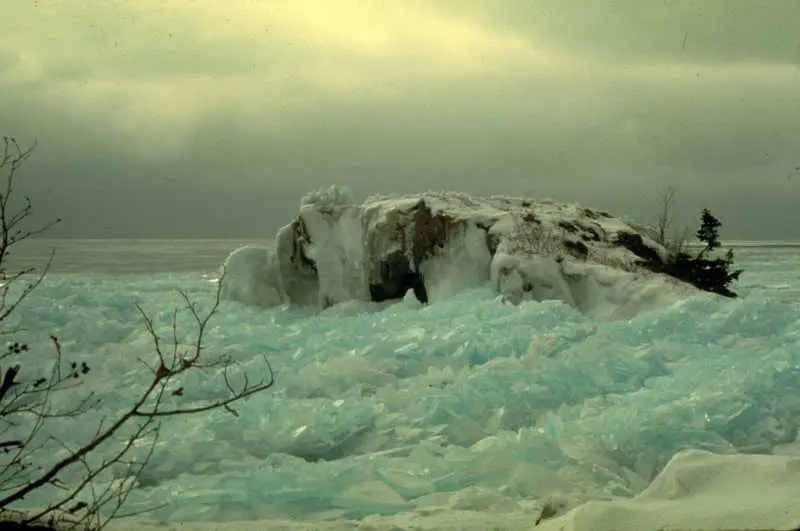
435, 244
251, 277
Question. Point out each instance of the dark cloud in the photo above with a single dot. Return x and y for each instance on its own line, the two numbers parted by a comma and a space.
706, 31
156, 123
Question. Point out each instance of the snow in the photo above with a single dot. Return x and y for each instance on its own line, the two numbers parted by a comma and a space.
252, 277
336, 249
701, 490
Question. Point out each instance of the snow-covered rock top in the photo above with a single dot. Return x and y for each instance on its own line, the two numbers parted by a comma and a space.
437, 243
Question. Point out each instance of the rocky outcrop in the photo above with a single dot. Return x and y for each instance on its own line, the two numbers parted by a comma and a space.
337, 250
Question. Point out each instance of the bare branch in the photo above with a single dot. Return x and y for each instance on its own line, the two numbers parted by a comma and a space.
675, 243
27, 405
664, 217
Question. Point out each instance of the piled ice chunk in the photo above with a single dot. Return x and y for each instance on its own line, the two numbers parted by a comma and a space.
386, 411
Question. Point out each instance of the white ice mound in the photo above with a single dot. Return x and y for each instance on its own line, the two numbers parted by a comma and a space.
704, 491
438, 243
251, 277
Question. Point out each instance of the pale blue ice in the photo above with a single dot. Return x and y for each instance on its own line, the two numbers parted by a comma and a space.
529, 400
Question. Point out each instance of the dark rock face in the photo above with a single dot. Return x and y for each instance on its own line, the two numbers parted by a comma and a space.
492, 240
300, 236
577, 248
635, 244
567, 226
429, 233
396, 278
386, 292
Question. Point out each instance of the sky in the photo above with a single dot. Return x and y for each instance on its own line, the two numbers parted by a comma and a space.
211, 118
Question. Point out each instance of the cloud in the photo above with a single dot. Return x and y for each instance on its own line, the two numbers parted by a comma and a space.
664, 32
154, 69
196, 108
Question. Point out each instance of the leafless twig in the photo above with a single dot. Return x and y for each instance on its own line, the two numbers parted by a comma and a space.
676, 242
27, 404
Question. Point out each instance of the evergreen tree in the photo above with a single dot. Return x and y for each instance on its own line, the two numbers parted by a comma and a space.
710, 274
708, 232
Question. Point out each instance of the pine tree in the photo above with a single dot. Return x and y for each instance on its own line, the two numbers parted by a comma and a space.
708, 232
709, 274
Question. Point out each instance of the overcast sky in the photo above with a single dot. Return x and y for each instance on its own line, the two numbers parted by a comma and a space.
212, 118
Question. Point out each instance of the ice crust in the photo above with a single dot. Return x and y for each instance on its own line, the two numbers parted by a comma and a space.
523, 249
469, 403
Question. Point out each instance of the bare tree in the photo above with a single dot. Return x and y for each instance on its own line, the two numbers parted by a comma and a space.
13, 230
676, 242
27, 404
664, 217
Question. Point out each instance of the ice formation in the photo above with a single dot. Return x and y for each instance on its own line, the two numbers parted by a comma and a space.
466, 414
252, 276
436, 244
